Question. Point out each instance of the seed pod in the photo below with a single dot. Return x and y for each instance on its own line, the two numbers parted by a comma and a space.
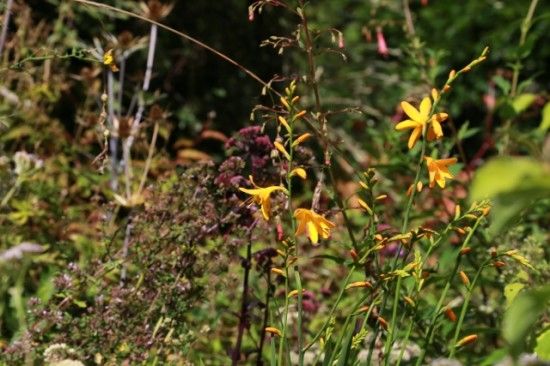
499, 264
353, 254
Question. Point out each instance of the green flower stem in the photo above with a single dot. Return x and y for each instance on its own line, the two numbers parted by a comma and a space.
285, 320
465, 308
405, 342
433, 245
433, 321
332, 310
348, 318
391, 335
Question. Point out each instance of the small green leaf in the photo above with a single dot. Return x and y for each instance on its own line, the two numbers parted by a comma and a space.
511, 290
545, 123
522, 315
512, 184
80, 303
542, 348
523, 101
503, 84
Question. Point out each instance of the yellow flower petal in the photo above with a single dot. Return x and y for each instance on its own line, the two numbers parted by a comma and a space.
425, 108
411, 111
436, 127
312, 224
406, 124
415, 135
312, 232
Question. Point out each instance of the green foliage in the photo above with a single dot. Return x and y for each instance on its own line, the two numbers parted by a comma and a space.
522, 316
512, 184
148, 255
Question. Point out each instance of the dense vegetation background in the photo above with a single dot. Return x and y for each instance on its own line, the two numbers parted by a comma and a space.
128, 253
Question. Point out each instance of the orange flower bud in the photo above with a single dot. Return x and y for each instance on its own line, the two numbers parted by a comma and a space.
353, 254
300, 114
464, 278
294, 293
452, 74
466, 340
363, 309
278, 271
450, 314
465, 251
409, 301
359, 284
499, 264
419, 186
410, 190
383, 322
446, 88
285, 103
274, 331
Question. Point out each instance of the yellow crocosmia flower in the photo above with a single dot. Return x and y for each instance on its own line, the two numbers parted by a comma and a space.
109, 60
261, 196
439, 170
434, 130
312, 224
418, 118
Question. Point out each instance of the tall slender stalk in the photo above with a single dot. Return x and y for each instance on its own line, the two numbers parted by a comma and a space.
525, 26
433, 320
5, 25
243, 316
259, 360
465, 308
113, 126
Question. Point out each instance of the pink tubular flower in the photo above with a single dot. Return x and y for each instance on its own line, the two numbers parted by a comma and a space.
382, 46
